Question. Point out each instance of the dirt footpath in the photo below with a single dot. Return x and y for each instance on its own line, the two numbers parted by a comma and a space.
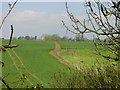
55, 53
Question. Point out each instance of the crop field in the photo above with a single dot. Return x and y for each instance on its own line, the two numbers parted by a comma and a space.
82, 54
36, 59
31, 63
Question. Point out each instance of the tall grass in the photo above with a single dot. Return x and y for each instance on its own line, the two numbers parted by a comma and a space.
100, 77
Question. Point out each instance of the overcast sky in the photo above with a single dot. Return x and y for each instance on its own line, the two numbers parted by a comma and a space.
37, 18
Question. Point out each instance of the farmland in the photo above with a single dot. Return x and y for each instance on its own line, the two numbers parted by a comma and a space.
32, 59
82, 54
35, 55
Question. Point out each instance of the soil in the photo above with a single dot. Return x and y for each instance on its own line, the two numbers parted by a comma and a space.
55, 53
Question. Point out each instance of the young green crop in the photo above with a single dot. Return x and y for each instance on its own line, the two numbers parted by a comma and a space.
35, 56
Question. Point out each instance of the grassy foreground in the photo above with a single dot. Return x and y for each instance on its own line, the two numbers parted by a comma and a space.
36, 58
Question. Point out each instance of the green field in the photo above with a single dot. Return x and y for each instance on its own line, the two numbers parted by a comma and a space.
35, 55
39, 66
82, 54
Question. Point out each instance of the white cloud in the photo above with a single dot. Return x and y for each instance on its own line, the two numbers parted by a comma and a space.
32, 23
35, 23
27, 16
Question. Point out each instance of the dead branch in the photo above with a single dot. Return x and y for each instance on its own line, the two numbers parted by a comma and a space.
4, 82
10, 46
11, 35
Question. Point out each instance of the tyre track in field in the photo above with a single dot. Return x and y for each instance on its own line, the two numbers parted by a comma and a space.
55, 53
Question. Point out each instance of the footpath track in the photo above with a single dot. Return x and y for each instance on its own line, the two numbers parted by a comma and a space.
55, 53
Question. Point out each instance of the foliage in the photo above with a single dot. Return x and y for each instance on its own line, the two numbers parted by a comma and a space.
27, 38
90, 73
53, 37
100, 77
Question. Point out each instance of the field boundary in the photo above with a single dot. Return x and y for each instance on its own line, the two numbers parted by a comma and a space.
55, 53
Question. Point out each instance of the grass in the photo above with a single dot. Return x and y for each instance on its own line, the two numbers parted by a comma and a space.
82, 54
36, 57
77, 44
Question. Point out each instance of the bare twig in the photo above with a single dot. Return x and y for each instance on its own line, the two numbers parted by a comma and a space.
11, 7
8, 87
101, 25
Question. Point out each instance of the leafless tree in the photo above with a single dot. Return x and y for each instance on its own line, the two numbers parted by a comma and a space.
104, 21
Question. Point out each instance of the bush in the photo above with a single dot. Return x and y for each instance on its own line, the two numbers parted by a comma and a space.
100, 77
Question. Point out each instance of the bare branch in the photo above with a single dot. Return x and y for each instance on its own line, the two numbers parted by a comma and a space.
100, 21
11, 7
8, 87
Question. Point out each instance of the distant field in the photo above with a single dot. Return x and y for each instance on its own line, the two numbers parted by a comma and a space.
82, 54
35, 55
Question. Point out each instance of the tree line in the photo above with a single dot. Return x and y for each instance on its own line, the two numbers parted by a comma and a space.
53, 37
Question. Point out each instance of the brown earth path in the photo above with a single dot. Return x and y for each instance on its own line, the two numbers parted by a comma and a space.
55, 53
